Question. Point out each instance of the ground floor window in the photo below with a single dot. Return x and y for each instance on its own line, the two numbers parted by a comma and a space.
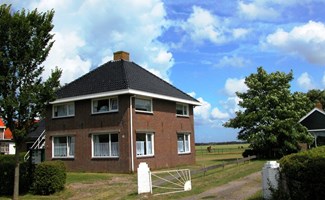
183, 143
105, 145
63, 146
145, 144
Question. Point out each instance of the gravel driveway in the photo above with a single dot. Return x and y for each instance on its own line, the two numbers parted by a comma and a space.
240, 189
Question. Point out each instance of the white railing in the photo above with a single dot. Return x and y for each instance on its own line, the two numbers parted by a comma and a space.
38, 144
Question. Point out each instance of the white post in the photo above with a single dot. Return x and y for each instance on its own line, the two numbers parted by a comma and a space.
143, 178
270, 174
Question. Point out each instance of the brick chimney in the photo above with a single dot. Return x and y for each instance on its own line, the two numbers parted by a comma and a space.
319, 105
121, 55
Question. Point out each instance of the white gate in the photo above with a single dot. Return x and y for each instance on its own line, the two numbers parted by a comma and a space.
167, 182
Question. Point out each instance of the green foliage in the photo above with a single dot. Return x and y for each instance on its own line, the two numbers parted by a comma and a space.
25, 42
268, 120
304, 174
50, 177
7, 167
316, 96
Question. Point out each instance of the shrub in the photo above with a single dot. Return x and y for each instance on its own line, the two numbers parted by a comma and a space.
49, 177
304, 174
7, 173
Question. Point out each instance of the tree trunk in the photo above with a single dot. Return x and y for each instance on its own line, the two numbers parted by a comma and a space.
16, 180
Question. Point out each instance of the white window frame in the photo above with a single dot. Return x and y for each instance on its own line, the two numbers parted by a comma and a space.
184, 109
110, 109
185, 149
54, 108
70, 146
143, 99
145, 146
110, 145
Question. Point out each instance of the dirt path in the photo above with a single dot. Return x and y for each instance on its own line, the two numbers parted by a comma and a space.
236, 190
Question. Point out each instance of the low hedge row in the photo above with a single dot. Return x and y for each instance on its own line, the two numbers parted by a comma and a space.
303, 174
47, 178
7, 173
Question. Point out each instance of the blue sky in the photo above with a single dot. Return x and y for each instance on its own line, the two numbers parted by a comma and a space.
205, 48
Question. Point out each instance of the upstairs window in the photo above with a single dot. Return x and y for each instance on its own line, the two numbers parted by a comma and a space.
63, 146
143, 105
183, 143
181, 109
63, 110
105, 105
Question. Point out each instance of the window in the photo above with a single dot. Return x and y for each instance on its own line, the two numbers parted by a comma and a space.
144, 105
63, 110
181, 109
105, 105
105, 145
63, 146
183, 143
145, 144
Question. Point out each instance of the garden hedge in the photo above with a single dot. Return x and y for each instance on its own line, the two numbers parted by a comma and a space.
303, 174
49, 177
7, 173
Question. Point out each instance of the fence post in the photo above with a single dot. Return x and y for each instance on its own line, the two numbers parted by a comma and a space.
270, 174
144, 179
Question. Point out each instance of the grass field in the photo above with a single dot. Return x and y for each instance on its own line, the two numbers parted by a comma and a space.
124, 186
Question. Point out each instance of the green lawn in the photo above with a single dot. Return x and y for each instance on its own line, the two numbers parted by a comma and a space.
124, 186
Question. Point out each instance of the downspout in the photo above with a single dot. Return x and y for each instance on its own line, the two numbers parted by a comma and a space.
131, 134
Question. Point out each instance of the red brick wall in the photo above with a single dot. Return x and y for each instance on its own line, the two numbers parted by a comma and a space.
163, 121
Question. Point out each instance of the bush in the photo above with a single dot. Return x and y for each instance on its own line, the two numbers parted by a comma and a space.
7, 173
304, 174
49, 177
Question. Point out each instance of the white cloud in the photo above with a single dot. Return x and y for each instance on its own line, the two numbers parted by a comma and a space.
202, 26
203, 112
305, 81
232, 105
257, 10
217, 114
307, 41
234, 85
233, 61
104, 29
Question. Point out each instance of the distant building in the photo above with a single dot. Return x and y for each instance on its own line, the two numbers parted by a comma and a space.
7, 145
314, 121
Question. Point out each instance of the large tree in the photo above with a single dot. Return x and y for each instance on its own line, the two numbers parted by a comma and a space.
25, 42
270, 114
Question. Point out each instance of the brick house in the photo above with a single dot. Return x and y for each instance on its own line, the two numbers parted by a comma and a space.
117, 116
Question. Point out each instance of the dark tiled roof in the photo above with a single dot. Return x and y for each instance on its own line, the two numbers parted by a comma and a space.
37, 131
119, 75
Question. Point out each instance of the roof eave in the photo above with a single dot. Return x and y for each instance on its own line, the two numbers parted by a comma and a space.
126, 91
312, 111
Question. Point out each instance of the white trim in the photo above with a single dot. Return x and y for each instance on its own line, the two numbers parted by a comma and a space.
316, 130
126, 91
313, 110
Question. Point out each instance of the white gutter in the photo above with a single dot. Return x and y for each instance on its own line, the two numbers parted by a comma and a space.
126, 91
131, 134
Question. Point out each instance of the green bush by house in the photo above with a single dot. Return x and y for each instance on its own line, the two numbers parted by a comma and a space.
7, 173
49, 177
304, 174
